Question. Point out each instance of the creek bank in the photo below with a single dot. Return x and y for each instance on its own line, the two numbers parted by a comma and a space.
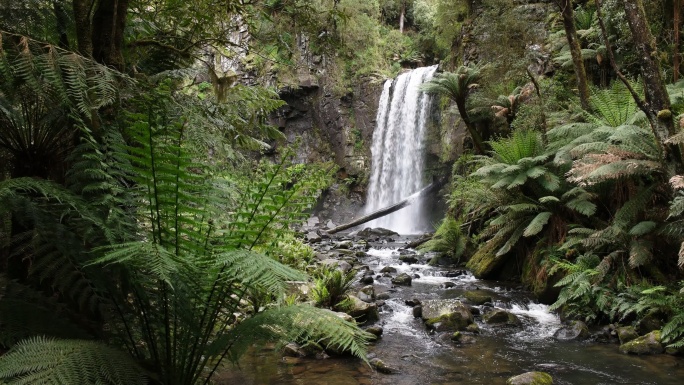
482, 354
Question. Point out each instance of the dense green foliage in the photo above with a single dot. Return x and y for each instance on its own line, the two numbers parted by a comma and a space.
586, 200
147, 206
145, 238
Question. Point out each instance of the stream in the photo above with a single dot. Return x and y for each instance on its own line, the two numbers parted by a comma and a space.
490, 357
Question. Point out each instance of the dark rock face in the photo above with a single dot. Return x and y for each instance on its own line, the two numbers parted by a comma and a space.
575, 330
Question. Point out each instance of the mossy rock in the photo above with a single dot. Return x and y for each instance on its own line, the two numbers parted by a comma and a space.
478, 297
402, 279
647, 344
531, 378
446, 314
499, 316
626, 334
447, 322
485, 263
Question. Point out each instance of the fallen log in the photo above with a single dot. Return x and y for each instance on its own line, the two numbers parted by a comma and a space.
434, 186
417, 242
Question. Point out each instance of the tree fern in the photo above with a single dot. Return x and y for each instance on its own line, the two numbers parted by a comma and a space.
46, 96
614, 106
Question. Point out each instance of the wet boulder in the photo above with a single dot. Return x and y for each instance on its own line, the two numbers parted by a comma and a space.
478, 297
500, 316
402, 279
340, 265
573, 331
375, 330
362, 311
531, 378
367, 293
344, 245
388, 269
647, 344
376, 232
313, 237
446, 314
626, 334
294, 350
381, 366
367, 279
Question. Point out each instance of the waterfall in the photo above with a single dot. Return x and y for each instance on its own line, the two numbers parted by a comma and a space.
398, 154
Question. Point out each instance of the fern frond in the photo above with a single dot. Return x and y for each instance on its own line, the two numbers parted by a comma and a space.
537, 224
299, 323
49, 361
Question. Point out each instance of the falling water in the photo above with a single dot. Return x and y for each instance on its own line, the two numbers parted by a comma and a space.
397, 150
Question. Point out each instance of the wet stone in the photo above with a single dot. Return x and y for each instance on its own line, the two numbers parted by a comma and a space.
575, 330
500, 316
383, 296
381, 366
412, 302
531, 378
478, 297
402, 279
647, 344
388, 269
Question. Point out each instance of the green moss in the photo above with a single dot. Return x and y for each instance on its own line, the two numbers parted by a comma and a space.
531, 378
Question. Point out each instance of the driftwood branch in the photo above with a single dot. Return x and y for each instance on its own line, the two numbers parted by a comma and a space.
390, 209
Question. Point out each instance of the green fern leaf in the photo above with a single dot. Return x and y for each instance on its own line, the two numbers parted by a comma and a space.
40, 360
537, 224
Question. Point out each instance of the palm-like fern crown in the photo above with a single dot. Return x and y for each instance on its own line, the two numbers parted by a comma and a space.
515, 161
46, 95
454, 85
614, 106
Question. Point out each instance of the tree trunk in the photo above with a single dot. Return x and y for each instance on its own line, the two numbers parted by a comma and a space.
61, 19
568, 14
401, 16
109, 22
657, 99
677, 60
84, 37
390, 209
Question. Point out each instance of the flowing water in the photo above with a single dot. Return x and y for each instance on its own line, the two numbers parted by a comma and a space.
496, 354
398, 154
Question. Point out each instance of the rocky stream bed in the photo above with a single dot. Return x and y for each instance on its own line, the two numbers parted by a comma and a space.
446, 327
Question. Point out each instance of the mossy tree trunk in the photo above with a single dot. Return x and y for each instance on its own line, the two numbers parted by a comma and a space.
657, 98
568, 14
677, 60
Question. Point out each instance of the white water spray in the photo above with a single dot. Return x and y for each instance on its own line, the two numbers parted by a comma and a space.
398, 154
